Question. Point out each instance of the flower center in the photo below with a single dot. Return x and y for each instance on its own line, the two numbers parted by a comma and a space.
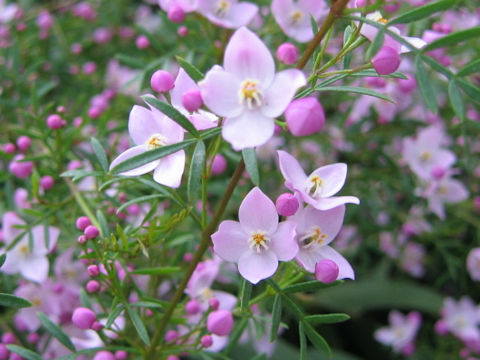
442, 190
24, 250
36, 301
155, 141
425, 156
314, 186
295, 17
221, 8
249, 94
258, 241
314, 236
383, 20
206, 294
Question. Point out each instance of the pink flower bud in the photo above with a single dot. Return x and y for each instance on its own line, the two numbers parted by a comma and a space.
32, 338
142, 42
441, 327
305, 116
173, 357
408, 349
473, 264
45, 20
287, 53
97, 326
76, 48
55, 122
15, 356
287, 204
220, 322
82, 223
47, 182
23, 143
4, 353
9, 148
93, 270
188, 257
20, 169
219, 164
82, 239
176, 14
192, 100
91, 232
182, 31
171, 335
476, 203
326, 271
192, 307
89, 68
407, 85
83, 318
206, 341
104, 355
162, 81
121, 355
92, 286
438, 172
8, 338
386, 61
375, 81
214, 303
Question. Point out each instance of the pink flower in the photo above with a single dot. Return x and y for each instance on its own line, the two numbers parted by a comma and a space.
185, 5
247, 92
150, 129
473, 264
317, 188
258, 241
227, 13
447, 190
293, 17
462, 318
401, 333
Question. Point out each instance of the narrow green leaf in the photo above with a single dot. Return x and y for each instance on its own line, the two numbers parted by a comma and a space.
303, 341
56, 331
99, 153
3, 257
470, 89
453, 38
25, 353
250, 158
196, 169
78, 174
147, 304
140, 200
113, 315
207, 134
316, 339
245, 293
422, 12
158, 271
309, 286
326, 318
131, 61
294, 309
346, 37
261, 356
376, 44
172, 113
138, 324
425, 85
152, 155
313, 24
276, 317
103, 223
236, 334
190, 69
456, 100
470, 68
354, 89
9, 300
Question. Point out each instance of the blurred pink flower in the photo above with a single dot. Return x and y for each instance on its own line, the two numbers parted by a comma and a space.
401, 333
227, 13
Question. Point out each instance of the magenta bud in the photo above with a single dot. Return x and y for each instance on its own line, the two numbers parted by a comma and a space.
441, 327
96, 326
408, 349
162, 81
23, 143
121, 355
76, 48
173, 357
4, 353
94, 112
142, 42
92, 286
219, 164
287, 53
91, 232
89, 68
438, 172
8, 338
192, 100
47, 182
220, 322
305, 116
171, 335
22, 169
182, 31
287, 204
83, 318
206, 341
15, 356
93, 270
188, 257
82, 223
326, 271
9, 148
176, 14
386, 61
82, 239
55, 122
104, 355
214, 303
32, 338
407, 85
192, 307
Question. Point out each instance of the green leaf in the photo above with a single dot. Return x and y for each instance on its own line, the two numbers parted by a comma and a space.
250, 159
326, 318
147, 304
422, 12
158, 270
261, 356
316, 339
99, 153
103, 223
130, 61
207, 134
152, 155
173, 114
196, 169
376, 44
276, 317
25, 353
9, 300
78, 174
190, 69
3, 257
470, 68
425, 85
354, 89
313, 24
138, 324
346, 37
245, 293
313, 285
140, 200
303, 341
470, 89
456, 99
236, 334
113, 315
453, 38
56, 331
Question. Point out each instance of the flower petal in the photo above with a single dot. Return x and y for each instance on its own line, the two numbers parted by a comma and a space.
142, 124
35, 269
345, 269
331, 202
291, 170
330, 221
255, 266
240, 14
283, 242
127, 154
248, 130
170, 169
333, 177
39, 241
416, 42
257, 212
230, 241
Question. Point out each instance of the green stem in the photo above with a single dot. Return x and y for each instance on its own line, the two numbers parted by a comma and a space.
83, 204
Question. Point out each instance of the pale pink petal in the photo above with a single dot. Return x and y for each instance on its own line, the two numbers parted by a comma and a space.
167, 127
203, 120
384, 336
127, 154
313, 7
247, 57
220, 93
283, 242
10, 232
416, 42
281, 91
39, 241
291, 170
227, 301
436, 205
248, 130
240, 14
255, 266
230, 241
142, 125
345, 269
258, 212
170, 169
35, 269
333, 177
308, 259
219, 342
329, 221
331, 202
13, 261
456, 191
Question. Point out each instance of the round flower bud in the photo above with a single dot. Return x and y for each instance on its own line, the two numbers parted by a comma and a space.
8, 148
219, 164
94, 112
55, 122
188, 257
91, 232
8, 338
142, 42
4, 353
89, 68
407, 85
171, 335
92, 286
176, 14
23, 143
192, 307
121, 355
287, 53
47, 182
287, 204
104, 355
173, 357
214, 303
82, 239
20, 169
441, 327
182, 31
305, 116
386, 61
162, 81
438, 172
15, 356
33, 338
326, 271
220, 322
473, 264
83, 318
93, 270
192, 100
82, 223
206, 341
